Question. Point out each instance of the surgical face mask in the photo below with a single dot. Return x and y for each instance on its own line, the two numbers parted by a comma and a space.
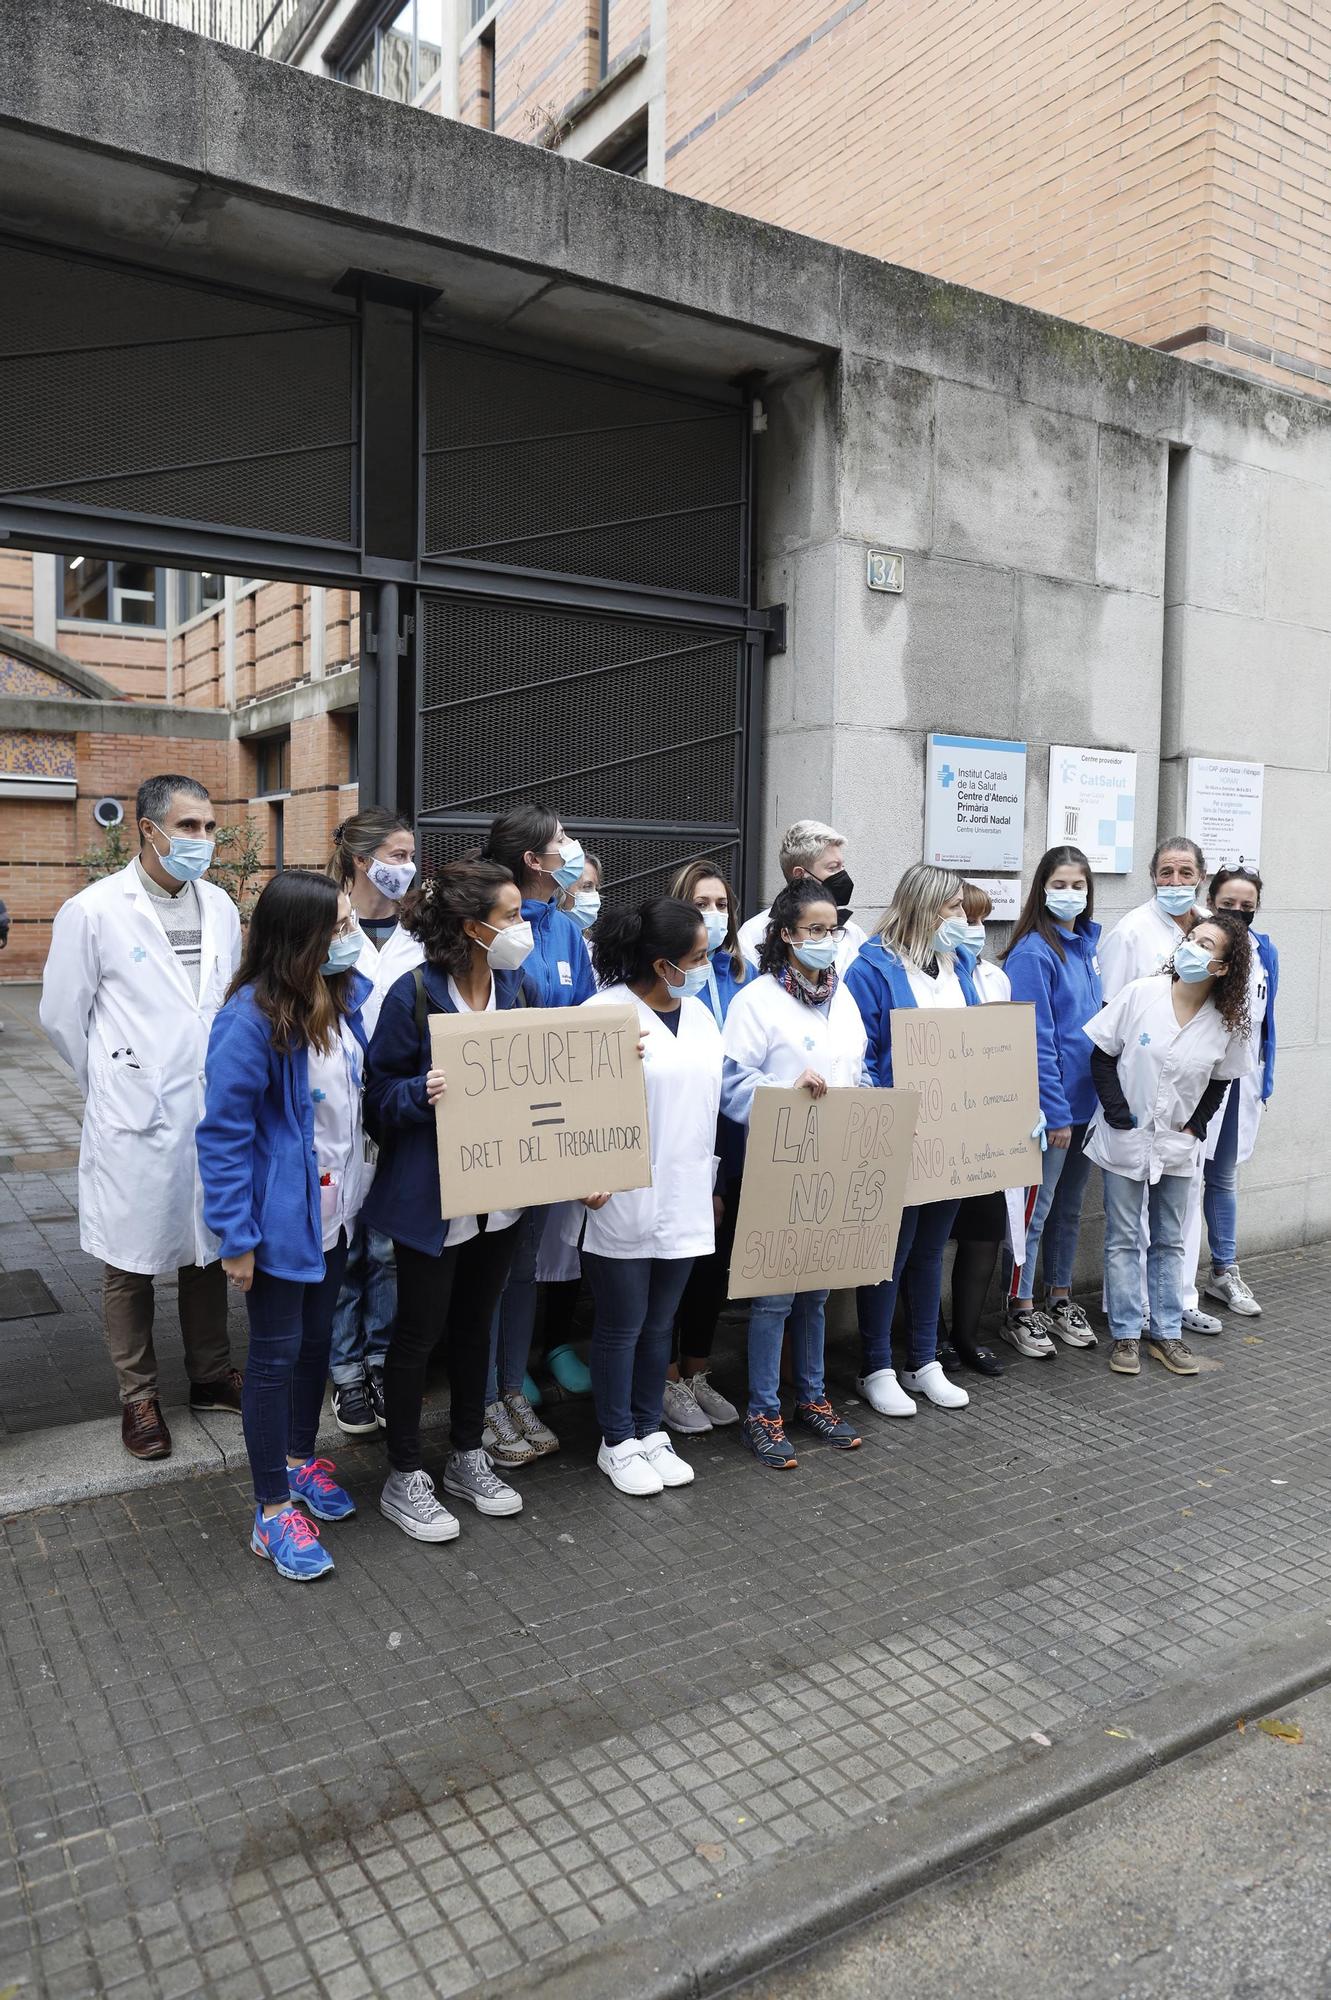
1065, 904
1174, 899
342, 953
1244, 916
185, 858
572, 862
391, 878
840, 888
974, 938
717, 923
1192, 962
695, 980
586, 908
815, 954
950, 933
510, 948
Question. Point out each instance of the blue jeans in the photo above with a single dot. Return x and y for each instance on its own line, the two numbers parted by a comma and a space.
290, 1328
1055, 1221
363, 1320
514, 1320
1220, 1199
1167, 1208
636, 1299
917, 1270
767, 1325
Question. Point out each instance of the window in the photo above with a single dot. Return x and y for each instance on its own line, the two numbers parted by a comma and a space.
272, 765
627, 152
348, 728
114, 593
277, 833
400, 54
197, 589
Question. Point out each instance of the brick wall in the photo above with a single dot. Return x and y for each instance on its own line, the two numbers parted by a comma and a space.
16, 589
134, 662
546, 55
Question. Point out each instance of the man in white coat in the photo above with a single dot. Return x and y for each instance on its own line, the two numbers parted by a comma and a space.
811, 848
139, 964
1140, 944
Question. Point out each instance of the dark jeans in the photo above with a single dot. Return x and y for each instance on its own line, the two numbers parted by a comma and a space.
453, 1297
291, 1326
705, 1293
636, 1301
917, 1269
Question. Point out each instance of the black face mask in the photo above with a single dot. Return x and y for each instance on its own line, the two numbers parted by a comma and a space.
1244, 916
840, 888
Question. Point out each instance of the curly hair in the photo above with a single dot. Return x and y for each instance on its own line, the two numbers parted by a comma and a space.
436, 912
1230, 994
784, 916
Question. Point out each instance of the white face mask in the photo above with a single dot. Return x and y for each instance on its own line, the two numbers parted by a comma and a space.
391, 878
509, 948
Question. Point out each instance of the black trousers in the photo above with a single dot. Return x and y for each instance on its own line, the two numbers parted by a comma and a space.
705, 1293
450, 1297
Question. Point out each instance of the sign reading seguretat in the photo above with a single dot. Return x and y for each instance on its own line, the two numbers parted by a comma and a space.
543, 1104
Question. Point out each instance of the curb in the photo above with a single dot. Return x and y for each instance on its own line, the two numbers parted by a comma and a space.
826, 1887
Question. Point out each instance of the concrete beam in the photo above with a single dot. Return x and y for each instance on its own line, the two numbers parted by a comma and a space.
112, 718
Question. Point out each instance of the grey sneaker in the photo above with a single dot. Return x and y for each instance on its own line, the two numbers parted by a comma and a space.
506, 1444
470, 1475
1228, 1286
1200, 1322
1027, 1331
1125, 1357
1177, 1358
538, 1435
710, 1401
408, 1498
682, 1412
1069, 1323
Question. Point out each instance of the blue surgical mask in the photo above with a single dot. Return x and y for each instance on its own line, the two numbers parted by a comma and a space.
1192, 962
974, 938
1174, 900
391, 878
572, 862
816, 954
695, 980
186, 858
950, 933
342, 953
586, 908
1065, 904
716, 924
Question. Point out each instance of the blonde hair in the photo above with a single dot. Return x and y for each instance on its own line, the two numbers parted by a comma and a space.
917, 906
803, 843
362, 835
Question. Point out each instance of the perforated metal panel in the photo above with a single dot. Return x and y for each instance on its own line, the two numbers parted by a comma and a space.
534, 466
632, 729
140, 398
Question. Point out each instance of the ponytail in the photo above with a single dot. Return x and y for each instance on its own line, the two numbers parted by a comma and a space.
627, 943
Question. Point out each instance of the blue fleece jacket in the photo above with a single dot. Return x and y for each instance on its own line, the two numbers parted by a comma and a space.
1270, 958
404, 1201
878, 981
255, 1141
559, 971
1066, 993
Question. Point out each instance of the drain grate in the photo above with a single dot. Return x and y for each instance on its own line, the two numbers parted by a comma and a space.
25, 1295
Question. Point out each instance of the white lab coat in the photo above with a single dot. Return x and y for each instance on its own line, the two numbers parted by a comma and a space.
995, 988
398, 953
673, 1217
121, 1010
1163, 1069
771, 1038
1140, 943
750, 938
1249, 1087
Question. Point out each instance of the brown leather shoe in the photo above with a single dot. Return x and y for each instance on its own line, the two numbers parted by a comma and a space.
223, 1394
143, 1430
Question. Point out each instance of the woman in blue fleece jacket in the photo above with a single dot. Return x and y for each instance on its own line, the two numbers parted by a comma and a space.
282, 1163
1052, 960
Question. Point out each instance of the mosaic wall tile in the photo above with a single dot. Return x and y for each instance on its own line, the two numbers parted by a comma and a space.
36, 753
20, 677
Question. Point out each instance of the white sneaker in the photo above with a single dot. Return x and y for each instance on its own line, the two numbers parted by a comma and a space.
665, 1462
882, 1392
1228, 1286
931, 1383
1200, 1322
625, 1467
710, 1401
1028, 1332
681, 1410
503, 1440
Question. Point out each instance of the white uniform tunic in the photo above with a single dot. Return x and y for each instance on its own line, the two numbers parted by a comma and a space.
1164, 1070
673, 1217
770, 1037
123, 1012
337, 1080
750, 939
1139, 944
400, 952
1251, 1108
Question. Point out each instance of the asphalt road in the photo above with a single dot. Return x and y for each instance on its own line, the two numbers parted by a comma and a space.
1211, 1878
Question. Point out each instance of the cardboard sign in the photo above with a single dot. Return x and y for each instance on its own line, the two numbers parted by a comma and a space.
824, 1179
974, 1069
543, 1104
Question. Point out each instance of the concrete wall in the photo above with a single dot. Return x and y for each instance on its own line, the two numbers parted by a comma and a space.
1062, 586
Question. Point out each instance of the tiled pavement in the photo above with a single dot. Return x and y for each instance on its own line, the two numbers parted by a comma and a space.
443, 1764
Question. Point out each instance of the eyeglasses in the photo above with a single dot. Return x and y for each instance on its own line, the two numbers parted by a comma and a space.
815, 931
1241, 868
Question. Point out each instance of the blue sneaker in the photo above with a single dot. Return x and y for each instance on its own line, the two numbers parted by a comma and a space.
766, 1439
569, 1370
291, 1544
312, 1485
531, 1392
